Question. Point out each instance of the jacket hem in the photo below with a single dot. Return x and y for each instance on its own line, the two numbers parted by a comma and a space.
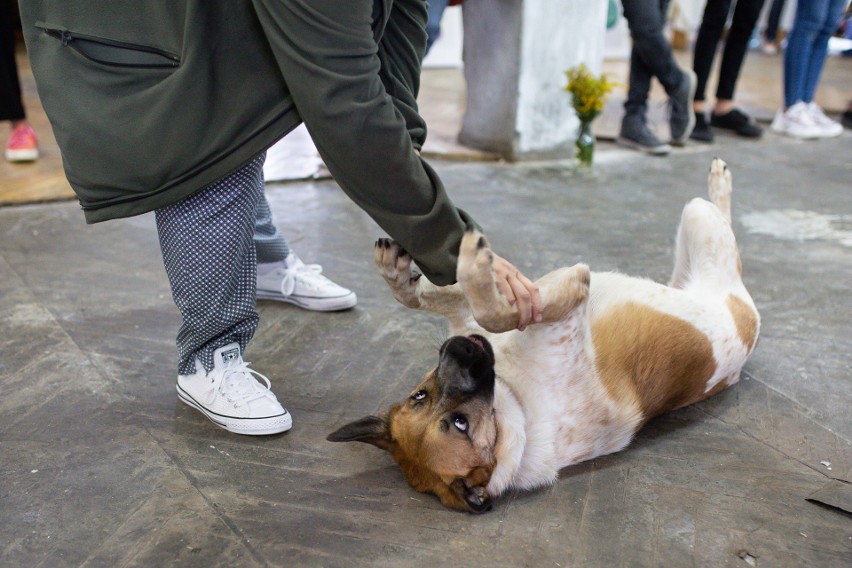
164, 197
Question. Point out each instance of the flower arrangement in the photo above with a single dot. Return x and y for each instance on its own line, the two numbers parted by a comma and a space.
588, 93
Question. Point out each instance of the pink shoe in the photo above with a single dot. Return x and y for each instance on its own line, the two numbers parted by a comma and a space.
22, 145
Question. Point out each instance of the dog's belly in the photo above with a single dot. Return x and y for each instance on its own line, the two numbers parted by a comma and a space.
569, 416
577, 406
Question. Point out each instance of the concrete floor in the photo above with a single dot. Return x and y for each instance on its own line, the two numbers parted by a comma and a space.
101, 466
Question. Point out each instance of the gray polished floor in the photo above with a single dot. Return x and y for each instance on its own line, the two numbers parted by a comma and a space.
101, 466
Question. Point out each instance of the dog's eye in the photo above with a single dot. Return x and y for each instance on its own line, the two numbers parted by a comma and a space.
419, 395
460, 422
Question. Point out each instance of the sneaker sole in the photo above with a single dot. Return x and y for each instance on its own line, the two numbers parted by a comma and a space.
834, 133
22, 155
690, 124
247, 426
313, 304
661, 150
792, 134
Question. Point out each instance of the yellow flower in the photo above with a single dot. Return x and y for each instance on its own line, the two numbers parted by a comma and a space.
588, 93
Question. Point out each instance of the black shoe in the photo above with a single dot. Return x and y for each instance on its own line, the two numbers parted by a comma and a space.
682, 118
635, 134
702, 131
738, 122
846, 120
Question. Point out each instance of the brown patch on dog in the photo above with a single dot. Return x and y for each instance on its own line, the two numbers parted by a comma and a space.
717, 388
654, 359
745, 319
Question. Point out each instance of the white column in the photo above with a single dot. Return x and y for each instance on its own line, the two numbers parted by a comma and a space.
515, 56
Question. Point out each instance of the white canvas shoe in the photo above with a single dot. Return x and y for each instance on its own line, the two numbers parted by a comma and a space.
232, 398
293, 281
830, 128
797, 122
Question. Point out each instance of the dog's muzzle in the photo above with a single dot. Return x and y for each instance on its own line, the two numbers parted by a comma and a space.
466, 367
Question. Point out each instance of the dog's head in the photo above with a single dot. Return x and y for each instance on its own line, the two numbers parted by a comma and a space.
443, 435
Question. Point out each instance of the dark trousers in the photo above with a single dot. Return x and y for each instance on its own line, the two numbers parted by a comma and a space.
716, 13
651, 55
11, 107
773, 20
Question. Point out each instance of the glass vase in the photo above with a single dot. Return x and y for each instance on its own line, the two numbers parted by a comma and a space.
585, 145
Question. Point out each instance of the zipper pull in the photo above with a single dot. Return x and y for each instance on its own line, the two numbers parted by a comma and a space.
67, 38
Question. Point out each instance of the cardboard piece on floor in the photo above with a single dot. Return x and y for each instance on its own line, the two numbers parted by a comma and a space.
837, 494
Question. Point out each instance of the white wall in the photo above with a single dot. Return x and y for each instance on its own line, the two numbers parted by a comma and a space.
556, 35
447, 49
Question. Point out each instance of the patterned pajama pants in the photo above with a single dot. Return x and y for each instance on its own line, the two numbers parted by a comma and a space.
211, 244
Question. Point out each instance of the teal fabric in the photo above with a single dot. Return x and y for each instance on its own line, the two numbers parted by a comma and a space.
611, 14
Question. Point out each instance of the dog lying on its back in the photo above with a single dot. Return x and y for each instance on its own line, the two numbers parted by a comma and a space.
507, 410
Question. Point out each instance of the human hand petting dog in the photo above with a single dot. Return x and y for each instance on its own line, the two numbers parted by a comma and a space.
518, 290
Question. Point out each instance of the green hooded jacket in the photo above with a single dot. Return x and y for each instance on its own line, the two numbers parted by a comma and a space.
153, 100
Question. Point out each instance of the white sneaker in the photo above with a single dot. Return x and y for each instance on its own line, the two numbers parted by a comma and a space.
302, 284
829, 127
797, 122
232, 398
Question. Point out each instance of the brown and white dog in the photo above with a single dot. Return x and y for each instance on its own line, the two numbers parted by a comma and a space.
507, 410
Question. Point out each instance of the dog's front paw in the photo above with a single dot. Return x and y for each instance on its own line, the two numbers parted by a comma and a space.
475, 275
394, 264
475, 259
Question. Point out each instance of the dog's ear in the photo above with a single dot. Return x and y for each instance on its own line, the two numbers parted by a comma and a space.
370, 429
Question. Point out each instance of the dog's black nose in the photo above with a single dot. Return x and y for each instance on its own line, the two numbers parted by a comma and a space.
468, 350
466, 367
462, 350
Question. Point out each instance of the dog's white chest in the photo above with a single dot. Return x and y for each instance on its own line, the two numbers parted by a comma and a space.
568, 415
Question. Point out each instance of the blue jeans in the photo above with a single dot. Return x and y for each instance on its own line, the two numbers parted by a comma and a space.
433, 26
807, 46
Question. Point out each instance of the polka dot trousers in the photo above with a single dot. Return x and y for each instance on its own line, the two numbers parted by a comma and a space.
211, 242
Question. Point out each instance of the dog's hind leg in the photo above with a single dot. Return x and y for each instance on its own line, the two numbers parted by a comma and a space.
706, 250
720, 187
561, 290
410, 289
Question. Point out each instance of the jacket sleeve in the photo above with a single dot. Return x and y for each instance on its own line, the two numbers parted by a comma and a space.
401, 51
329, 57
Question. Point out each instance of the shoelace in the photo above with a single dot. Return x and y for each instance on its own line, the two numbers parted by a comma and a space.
234, 382
300, 269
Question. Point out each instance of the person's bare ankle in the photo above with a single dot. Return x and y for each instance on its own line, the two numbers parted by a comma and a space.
723, 107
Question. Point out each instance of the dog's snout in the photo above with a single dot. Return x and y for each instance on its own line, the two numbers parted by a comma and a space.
462, 350
466, 367
468, 351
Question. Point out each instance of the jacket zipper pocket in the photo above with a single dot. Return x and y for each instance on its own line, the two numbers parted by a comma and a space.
114, 53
